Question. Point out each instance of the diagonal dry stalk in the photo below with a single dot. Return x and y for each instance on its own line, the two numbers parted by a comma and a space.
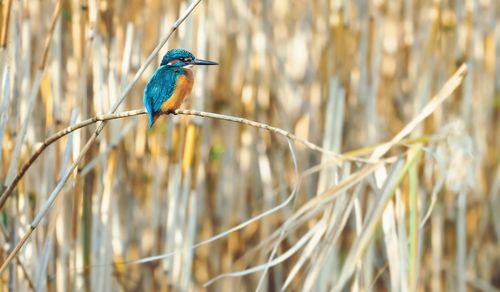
98, 130
8, 190
48, 40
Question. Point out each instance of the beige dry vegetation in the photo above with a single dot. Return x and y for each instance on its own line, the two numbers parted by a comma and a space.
382, 171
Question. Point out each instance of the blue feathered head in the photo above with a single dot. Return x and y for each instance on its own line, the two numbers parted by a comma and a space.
182, 58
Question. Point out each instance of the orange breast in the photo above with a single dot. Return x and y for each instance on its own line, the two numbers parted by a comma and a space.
182, 89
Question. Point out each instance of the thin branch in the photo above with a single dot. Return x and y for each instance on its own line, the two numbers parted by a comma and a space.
16, 250
48, 40
275, 130
19, 262
102, 118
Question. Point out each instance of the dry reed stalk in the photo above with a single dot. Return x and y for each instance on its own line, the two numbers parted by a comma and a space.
5, 23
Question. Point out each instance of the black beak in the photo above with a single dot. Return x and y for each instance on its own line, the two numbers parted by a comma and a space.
203, 62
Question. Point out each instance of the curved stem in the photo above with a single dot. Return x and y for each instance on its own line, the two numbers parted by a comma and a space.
102, 118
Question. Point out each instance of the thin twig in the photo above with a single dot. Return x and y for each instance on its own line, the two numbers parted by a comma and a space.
48, 40
19, 262
275, 130
102, 118
16, 250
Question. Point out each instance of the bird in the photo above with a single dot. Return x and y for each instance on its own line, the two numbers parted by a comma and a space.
171, 83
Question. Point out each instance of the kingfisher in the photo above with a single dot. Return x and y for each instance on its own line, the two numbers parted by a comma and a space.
170, 83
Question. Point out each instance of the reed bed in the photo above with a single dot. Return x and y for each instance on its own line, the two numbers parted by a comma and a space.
339, 145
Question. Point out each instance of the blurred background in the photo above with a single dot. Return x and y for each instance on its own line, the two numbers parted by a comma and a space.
345, 75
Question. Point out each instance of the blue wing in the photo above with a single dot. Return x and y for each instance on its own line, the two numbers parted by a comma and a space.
158, 90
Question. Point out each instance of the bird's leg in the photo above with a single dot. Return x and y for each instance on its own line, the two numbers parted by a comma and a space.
171, 112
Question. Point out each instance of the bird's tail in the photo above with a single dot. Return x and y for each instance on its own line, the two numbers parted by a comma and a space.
152, 119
